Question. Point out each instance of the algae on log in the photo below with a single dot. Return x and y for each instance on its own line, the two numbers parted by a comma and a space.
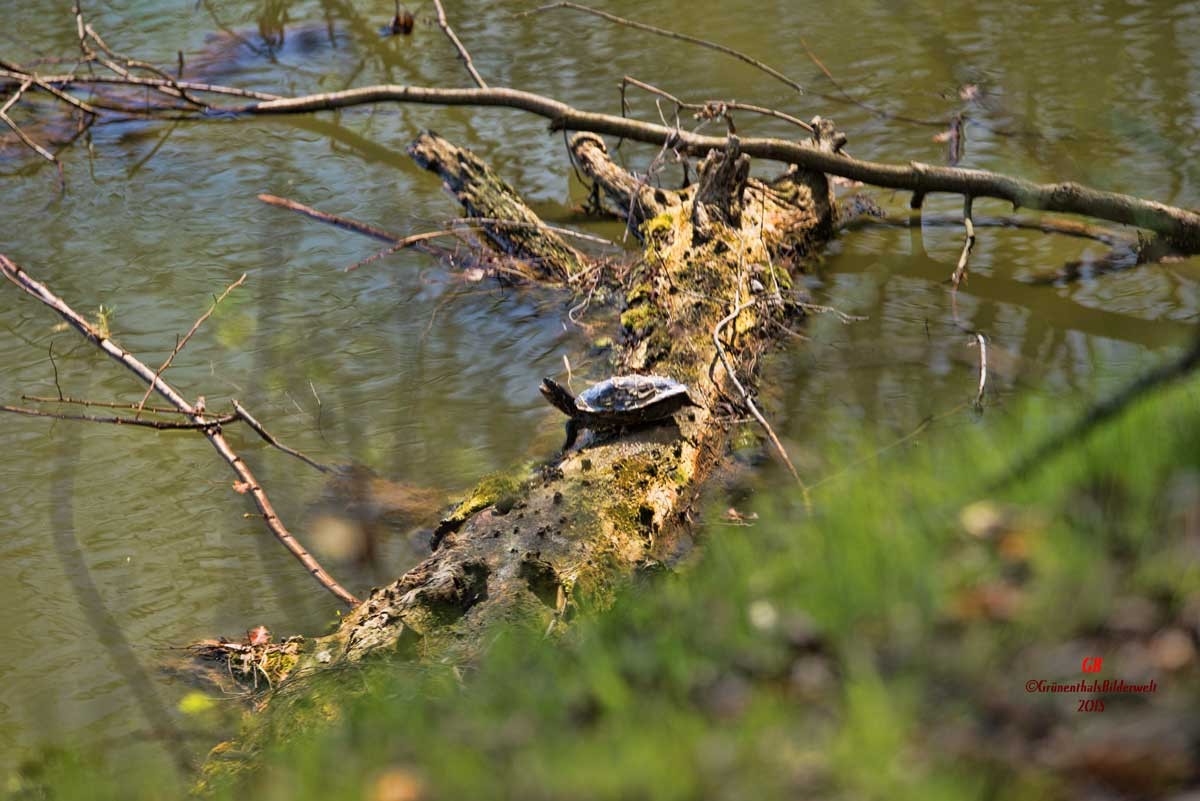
509, 224
528, 544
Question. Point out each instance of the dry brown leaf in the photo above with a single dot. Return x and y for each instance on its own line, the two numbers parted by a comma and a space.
259, 635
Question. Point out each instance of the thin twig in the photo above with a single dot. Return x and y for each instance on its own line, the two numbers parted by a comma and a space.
101, 404
136, 80
67, 98
983, 370
1047, 225
162, 425
711, 108
32, 145
173, 89
16, 96
213, 433
920, 427
181, 343
54, 367
332, 219
960, 271
401, 244
682, 37
458, 45
266, 435
848, 98
538, 225
738, 309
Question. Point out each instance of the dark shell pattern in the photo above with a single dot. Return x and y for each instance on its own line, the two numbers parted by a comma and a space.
630, 393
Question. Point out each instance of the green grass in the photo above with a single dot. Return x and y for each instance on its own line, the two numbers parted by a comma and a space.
876, 650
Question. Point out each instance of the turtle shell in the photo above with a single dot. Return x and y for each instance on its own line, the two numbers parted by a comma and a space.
646, 397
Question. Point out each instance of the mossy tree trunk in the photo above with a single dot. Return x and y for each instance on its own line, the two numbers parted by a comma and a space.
533, 544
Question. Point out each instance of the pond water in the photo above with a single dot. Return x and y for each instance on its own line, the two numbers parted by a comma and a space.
116, 544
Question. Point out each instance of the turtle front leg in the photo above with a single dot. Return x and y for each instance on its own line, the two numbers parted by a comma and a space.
572, 433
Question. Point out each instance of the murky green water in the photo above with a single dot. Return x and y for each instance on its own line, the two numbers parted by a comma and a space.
116, 545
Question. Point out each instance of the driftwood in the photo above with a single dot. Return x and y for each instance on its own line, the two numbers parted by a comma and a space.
535, 543
485, 195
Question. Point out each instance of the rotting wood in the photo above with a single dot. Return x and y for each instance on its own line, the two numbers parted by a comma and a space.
516, 231
534, 543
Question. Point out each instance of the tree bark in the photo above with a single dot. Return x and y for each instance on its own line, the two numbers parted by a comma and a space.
534, 544
513, 228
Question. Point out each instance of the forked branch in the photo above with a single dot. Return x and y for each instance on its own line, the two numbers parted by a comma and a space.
209, 426
1181, 227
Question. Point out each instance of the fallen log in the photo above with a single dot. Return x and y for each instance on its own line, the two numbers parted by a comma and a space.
535, 543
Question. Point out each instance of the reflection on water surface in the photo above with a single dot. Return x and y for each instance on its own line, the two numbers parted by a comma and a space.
118, 544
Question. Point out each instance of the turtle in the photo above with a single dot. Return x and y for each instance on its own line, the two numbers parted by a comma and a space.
620, 401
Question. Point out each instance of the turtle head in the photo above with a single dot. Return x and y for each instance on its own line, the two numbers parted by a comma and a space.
558, 396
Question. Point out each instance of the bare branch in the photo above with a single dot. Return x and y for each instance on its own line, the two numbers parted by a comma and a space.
186, 337
14, 73
16, 97
34, 146
269, 438
332, 219
783, 454
846, 97
1047, 225
161, 425
101, 404
398, 243
710, 109
682, 37
401, 244
458, 45
1180, 226
960, 270
173, 88
211, 431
